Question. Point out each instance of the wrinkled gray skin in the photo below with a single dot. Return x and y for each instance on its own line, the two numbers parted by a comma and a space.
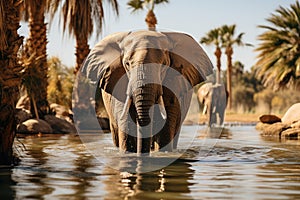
214, 99
146, 79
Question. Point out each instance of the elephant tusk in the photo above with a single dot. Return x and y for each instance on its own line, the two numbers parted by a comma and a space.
204, 109
126, 106
162, 107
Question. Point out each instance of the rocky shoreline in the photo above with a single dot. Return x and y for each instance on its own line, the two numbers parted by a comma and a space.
61, 122
287, 127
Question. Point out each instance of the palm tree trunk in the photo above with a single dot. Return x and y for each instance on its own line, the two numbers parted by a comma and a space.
82, 50
229, 52
9, 76
37, 46
151, 20
218, 54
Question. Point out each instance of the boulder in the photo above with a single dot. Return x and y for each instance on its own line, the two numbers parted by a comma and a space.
291, 133
93, 123
292, 114
34, 126
59, 125
22, 115
269, 119
296, 124
274, 129
261, 126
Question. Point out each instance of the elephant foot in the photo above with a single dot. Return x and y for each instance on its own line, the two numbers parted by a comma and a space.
127, 143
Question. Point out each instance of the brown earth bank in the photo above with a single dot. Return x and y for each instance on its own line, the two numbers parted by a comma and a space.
230, 117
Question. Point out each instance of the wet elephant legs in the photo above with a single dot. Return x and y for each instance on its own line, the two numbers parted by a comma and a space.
124, 131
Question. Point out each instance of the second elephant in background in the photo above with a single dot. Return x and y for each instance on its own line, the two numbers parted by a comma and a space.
214, 99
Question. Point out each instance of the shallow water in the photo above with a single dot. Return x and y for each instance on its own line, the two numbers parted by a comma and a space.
239, 165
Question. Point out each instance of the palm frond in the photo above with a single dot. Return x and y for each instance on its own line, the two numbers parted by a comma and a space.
279, 50
228, 36
136, 5
212, 37
81, 17
52, 7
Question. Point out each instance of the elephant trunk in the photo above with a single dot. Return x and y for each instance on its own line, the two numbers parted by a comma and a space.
144, 99
146, 91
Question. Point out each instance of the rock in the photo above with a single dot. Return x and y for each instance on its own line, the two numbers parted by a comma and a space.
291, 133
292, 114
296, 124
59, 125
262, 126
22, 115
269, 119
34, 126
93, 123
274, 129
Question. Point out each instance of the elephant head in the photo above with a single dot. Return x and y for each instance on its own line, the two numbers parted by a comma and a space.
133, 66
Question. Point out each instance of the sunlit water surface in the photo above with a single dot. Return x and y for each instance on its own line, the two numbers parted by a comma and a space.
239, 165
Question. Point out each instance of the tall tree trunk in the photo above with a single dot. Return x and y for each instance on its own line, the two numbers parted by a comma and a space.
82, 50
9, 76
218, 54
151, 20
36, 48
229, 52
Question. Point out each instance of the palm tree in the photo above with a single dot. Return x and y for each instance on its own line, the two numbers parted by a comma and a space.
149, 4
214, 37
35, 56
81, 17
60, 83
10, 77
237, 70
228, 40
278, 62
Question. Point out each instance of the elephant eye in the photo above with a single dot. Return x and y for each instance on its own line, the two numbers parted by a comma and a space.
127, 65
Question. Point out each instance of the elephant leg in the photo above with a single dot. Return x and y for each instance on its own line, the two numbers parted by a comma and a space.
221, 109
221, 116
167, 137
119, 128
107, 100
163, 140
114, 133
176, 136
214, 118
210, 115
127, 133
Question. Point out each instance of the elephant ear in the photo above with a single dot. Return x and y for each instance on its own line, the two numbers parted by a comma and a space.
188, 58
103, 64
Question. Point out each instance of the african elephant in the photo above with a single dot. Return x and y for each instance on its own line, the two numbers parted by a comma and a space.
214, 99
146, 79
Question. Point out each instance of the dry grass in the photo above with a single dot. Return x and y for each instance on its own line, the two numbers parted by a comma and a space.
242, 117
229, 117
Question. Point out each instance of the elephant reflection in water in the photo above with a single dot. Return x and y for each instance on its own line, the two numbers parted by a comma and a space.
146, 79
159, 184
214, 99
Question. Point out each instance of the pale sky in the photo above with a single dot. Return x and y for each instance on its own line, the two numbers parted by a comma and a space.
195, 17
